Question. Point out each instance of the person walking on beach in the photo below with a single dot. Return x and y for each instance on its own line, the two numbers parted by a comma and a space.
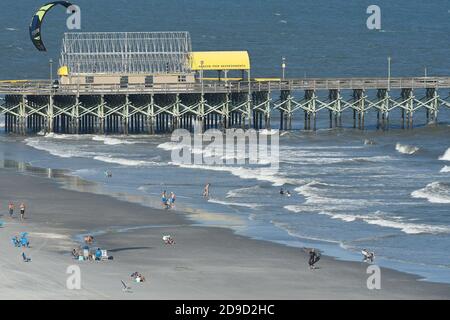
206, 190
172, 199
164, 199
22, 211
11, 209
313, 258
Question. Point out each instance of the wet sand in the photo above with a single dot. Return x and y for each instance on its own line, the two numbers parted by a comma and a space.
205, 262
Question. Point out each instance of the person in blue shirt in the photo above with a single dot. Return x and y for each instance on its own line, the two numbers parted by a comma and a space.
98, 254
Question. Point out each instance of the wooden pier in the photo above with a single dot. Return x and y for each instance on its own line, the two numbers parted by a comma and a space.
34, 106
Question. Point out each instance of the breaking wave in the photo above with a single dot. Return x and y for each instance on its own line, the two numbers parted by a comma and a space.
112, 141
125, 162
380, 219
406, 149
445, 156
267, 174
237, 204
445, 169
435, 192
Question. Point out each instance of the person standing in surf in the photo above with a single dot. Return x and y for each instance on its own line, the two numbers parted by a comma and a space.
206, 190
164, 199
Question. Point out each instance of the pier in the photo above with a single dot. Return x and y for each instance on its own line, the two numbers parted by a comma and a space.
33, 106
132, 83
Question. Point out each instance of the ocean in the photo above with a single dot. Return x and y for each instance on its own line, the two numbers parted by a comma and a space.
386, 191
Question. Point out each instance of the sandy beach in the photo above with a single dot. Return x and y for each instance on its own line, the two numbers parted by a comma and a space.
205, 262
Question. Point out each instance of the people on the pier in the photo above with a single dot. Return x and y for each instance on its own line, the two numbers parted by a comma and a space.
314, 257
22, 211
368, 256
206, 190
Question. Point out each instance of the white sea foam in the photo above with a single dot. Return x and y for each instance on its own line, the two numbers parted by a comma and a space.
112, 141
317, 194
435, 192
407, 227
406, 149
59, 136
445, 156
445, 169
237, 204
383, 220
261, 174
62, 151
169, 146
11, 29
125, 162
242, 192
268, 132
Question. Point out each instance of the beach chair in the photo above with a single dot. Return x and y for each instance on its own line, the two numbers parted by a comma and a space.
104, 255
85, 254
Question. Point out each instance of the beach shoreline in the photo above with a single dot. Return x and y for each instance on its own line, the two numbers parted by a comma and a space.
205, 263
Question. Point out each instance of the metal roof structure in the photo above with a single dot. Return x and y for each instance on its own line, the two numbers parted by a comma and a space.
126, 52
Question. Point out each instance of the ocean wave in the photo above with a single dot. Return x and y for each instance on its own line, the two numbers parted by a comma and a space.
446, 155
294, 233
169, 146
62, 151
445, 169
383, 220
435, 192
316, 193
237, 204
267, 174
112, 141
406, 149
125, 162
60, 136
85, 172
242, 192
268, 132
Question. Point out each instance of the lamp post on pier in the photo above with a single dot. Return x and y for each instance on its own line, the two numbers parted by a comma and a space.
51, 71
283, 67
389, 73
